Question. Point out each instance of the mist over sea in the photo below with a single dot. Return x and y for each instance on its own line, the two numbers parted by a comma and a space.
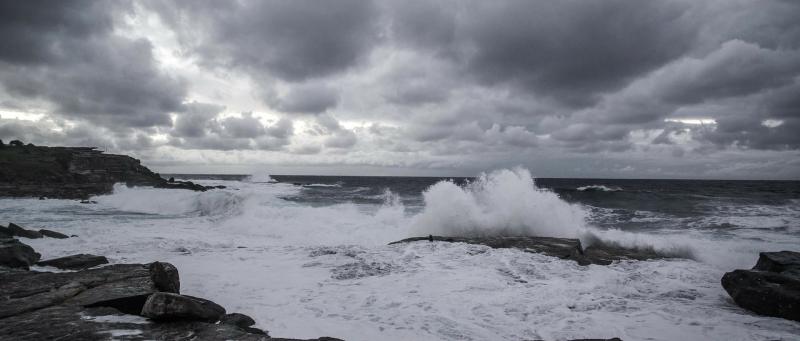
308, 255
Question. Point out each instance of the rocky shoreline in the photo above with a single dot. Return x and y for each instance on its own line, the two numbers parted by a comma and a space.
118, 301
564, 248
73, 172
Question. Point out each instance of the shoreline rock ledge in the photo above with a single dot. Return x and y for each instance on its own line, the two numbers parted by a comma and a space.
565, 248
771, 288
73, 172
113, 302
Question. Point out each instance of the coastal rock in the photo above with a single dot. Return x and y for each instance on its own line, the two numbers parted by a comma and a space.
778, 261
242, 321
53, 234
771, 288
165, 277
174, 307
75, 262
237, 319
19, 231
121, 286
564, 248
73, 172
16, 254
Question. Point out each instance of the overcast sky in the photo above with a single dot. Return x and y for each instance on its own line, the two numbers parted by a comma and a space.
568, 88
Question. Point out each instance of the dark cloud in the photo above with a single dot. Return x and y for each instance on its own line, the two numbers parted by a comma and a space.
573, 50
438, 84
66, 53
291, 40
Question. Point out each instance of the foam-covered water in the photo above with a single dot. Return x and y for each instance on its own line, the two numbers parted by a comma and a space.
307, 256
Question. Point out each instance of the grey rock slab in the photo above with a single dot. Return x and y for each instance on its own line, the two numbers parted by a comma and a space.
75, 262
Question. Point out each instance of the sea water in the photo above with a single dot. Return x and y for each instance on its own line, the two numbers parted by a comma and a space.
308, 256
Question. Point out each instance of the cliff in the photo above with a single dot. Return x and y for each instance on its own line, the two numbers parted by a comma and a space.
72, 172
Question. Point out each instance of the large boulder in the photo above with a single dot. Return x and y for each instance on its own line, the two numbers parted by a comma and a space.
174, 307
19, 231
771, 288
16, 254
75, 262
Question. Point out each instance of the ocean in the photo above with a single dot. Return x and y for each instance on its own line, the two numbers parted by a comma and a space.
307, 255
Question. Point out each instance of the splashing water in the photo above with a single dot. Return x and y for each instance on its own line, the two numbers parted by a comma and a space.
503, 202
259, 177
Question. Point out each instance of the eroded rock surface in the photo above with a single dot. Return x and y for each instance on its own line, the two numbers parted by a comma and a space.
16, 254
564, 248
771, 288
75, 262
174, 307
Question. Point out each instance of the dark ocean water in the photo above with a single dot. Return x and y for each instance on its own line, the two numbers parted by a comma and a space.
628, 204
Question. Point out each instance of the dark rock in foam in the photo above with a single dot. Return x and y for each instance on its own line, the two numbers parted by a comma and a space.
53, 234
564, 248
19, 231
174, 307
16, 254
75, 262
771, 288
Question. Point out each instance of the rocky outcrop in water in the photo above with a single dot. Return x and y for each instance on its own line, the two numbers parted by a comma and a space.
564, 248
73, 172
771, 288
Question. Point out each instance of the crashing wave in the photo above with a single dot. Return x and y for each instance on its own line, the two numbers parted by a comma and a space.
503, 202
259, 177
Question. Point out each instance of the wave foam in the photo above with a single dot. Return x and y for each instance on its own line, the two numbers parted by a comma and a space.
171, 201
503, 202
259, 177
598, 188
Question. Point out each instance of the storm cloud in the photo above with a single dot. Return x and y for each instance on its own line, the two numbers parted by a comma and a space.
613, 88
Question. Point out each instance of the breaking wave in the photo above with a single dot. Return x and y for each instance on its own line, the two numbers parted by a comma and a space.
171, 202
502, 202
259, 177
598, 188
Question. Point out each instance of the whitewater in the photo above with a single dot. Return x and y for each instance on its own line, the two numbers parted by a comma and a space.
312, 259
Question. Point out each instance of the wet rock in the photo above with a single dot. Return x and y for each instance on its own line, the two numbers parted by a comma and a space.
242, 321
19, 231
174, 307
564, 248
53, 234
121, 286
778, 261
237, 319
75, 262
101, 323
165, 277
16, 254
771, 288
103, 304
5, 232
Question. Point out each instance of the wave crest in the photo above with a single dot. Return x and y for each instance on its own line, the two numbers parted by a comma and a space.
503, 202
598, 188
